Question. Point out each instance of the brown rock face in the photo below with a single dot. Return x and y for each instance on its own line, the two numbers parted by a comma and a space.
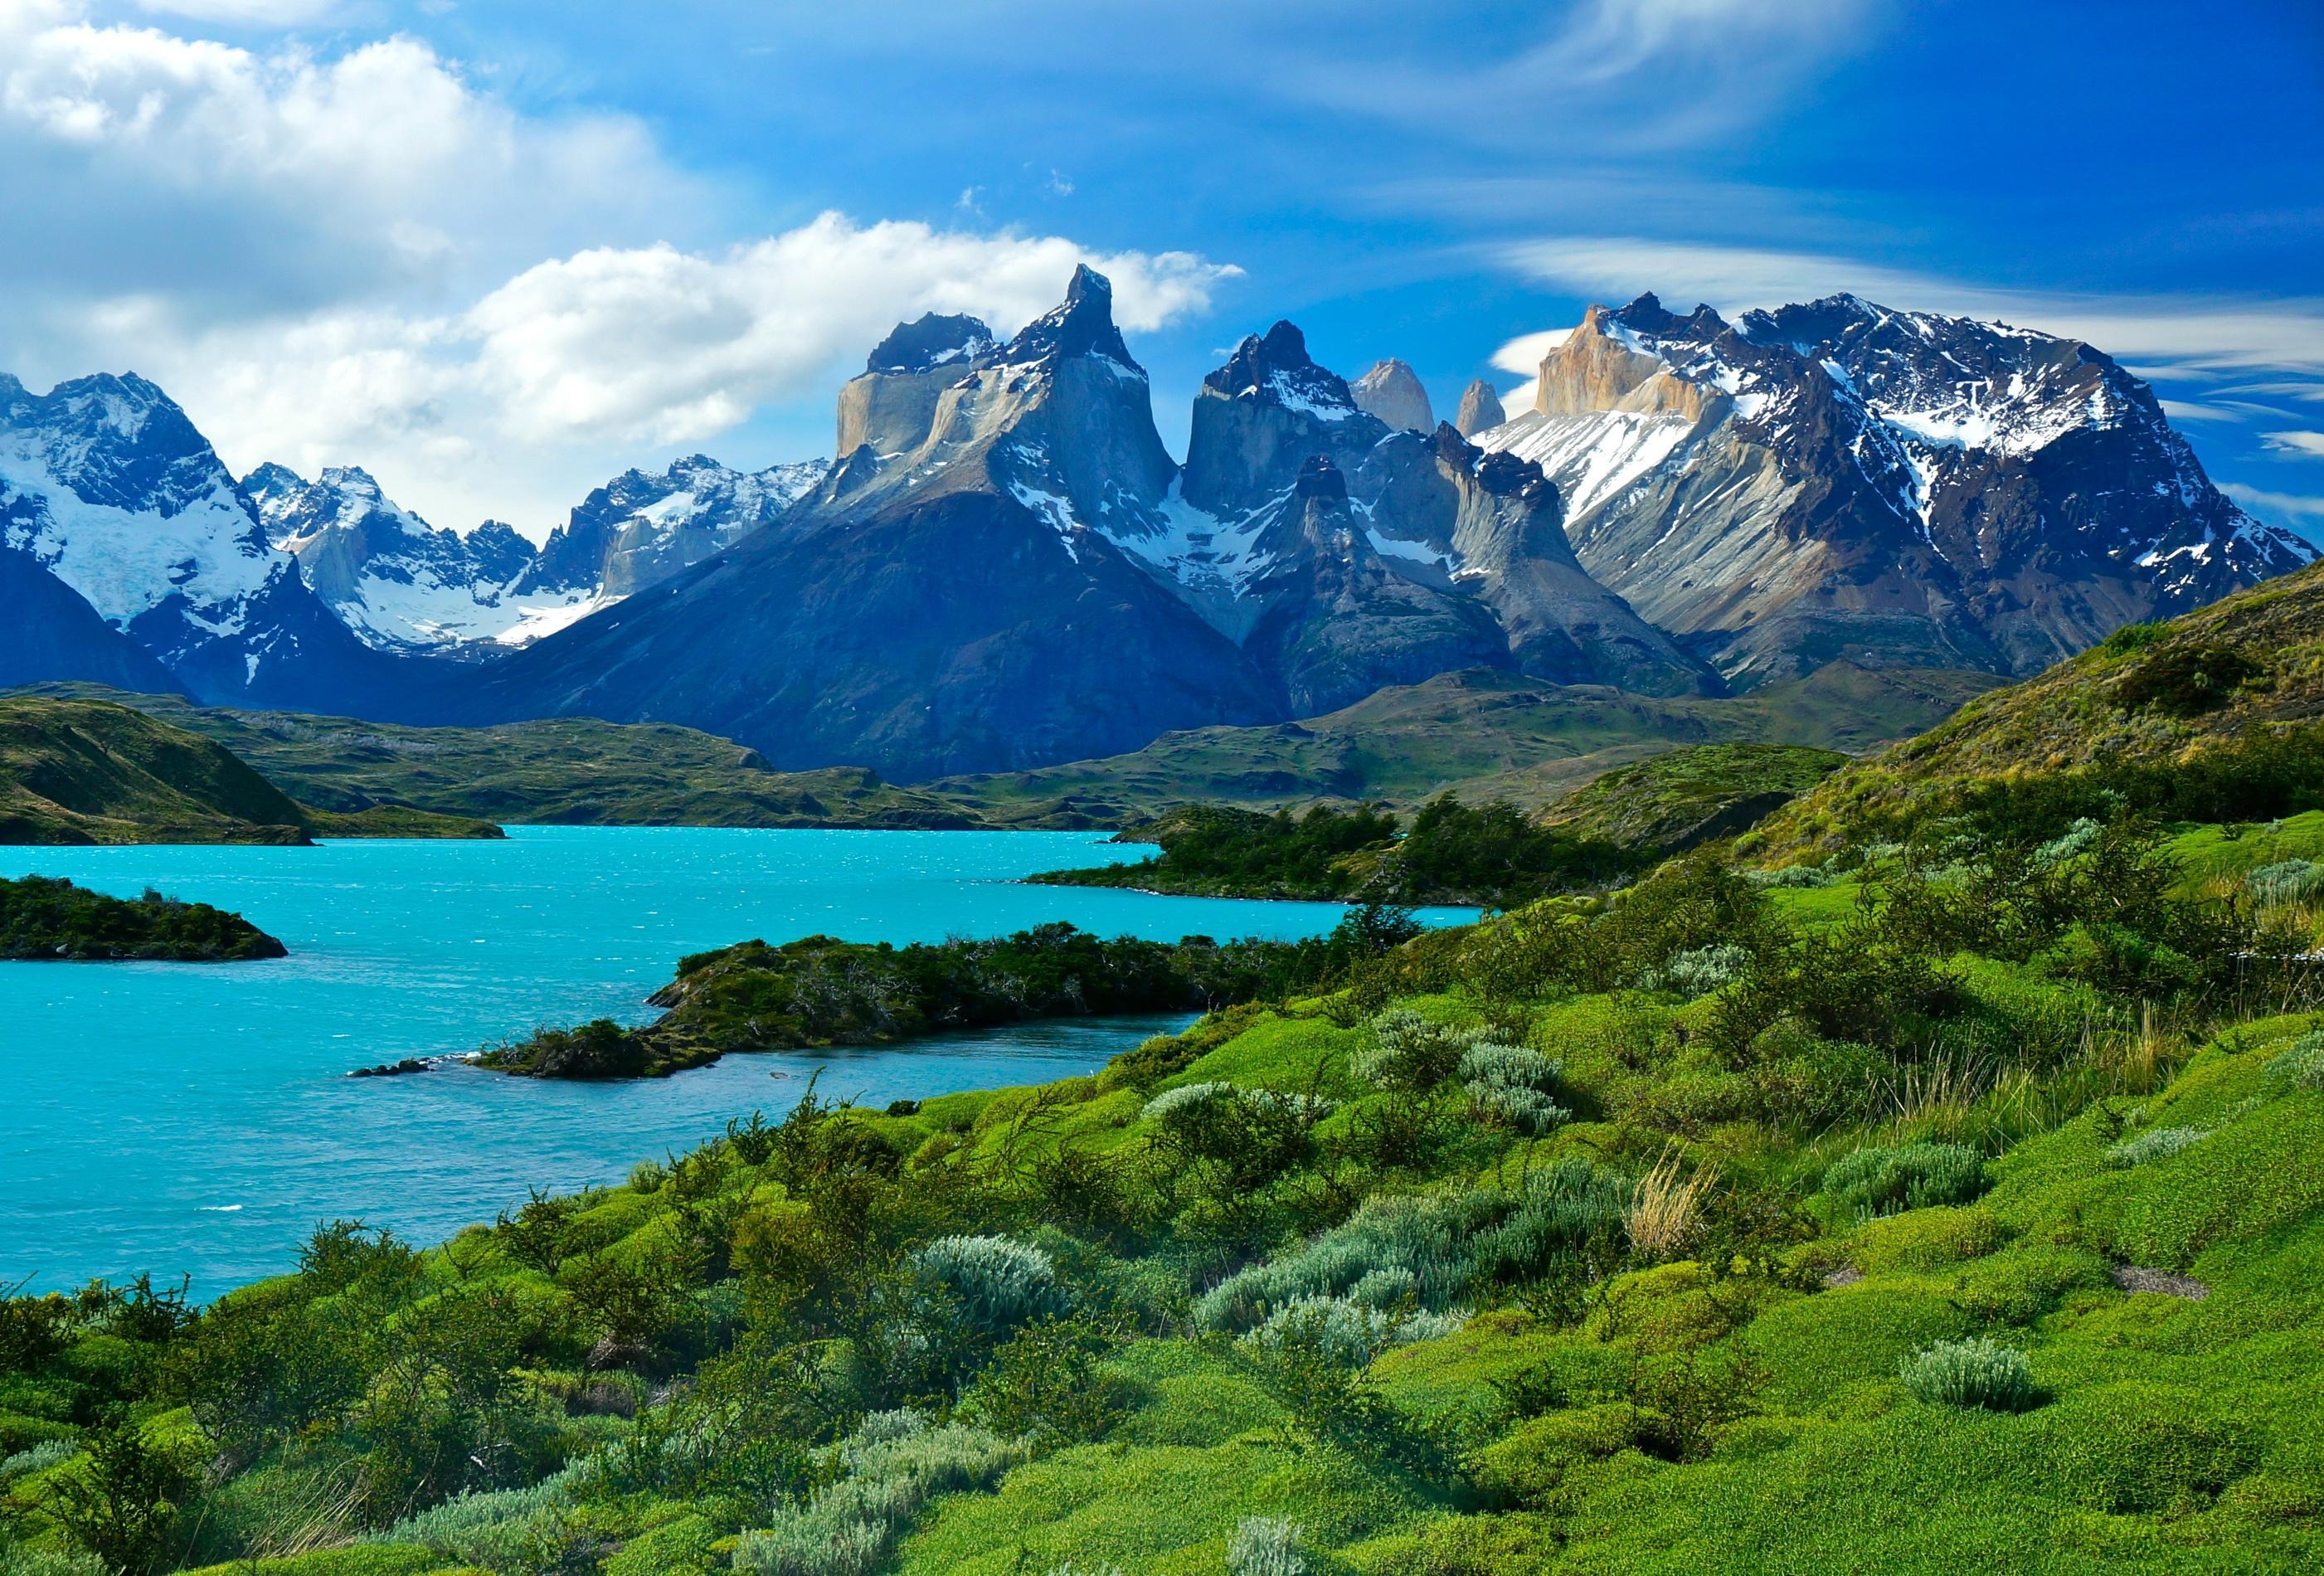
1391, 390
1480, 409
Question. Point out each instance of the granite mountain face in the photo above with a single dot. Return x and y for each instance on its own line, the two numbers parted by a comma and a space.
1004, 567
1839, 480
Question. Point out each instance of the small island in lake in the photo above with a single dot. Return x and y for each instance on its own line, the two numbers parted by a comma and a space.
45, 919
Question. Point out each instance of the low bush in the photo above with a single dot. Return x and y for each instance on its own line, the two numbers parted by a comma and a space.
1883, 1181
894, 1464
1347, 1330
2300, 1067
1263, 1546
1513, 1087
2160, 1143
995, 1283
1977, 1372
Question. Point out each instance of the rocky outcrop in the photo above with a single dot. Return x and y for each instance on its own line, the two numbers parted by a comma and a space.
1392, 391
1338, 621
1480, 409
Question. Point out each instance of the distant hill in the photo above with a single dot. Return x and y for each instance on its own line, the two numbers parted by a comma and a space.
565, 772
82, 770
2226, 703
1484, 735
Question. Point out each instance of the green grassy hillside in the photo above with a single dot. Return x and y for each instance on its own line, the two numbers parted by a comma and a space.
1971, 1223
2217, 715
561, 772
88, 771
1485, 736
1691, 795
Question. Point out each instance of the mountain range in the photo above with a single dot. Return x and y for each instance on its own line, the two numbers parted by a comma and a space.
1005, 568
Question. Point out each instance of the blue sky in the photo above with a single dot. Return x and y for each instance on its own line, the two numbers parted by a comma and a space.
497, 252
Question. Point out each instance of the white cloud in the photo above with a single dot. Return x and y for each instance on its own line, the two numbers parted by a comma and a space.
2192, 411
2174, 334
338, 258
2308, 444
2290, 505
246, 12
151, 162
516, 405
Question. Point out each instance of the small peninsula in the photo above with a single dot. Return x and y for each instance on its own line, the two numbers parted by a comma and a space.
44, 918
819, 991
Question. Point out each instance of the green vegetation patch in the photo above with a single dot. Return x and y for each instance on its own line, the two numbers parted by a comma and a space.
44, 919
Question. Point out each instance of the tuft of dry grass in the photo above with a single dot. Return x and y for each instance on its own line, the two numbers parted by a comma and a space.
1665, 1211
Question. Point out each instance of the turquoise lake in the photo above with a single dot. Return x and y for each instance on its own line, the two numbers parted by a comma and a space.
196, 1120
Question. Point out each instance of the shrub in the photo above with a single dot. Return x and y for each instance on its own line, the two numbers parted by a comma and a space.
1792, 875
2302, 1066
894, 1463
1409, 1053
1705, 969
1263, 1546
496, 1530
2160, 1143
1977, 1372
1911, 1177
2078, 838
1347, 1332
1000, 1284
2290, 881
1513, 1085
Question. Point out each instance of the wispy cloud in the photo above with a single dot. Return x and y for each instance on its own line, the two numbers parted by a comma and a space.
513, 406
2293, 506
2307, 445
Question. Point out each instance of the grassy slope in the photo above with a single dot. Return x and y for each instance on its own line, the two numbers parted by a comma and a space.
565, 772
2076, 712
1689, 796
1485, 735
88, 771
2167, 1435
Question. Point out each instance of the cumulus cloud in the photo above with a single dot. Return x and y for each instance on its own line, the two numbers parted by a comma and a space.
364, 257
154, 162
516, 404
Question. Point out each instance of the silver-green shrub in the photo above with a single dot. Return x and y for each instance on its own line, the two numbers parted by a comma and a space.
1979, 1372
1408, 1053
2300, 1067
39, 1457
1347, 1331
1705, 969
2290, 881
2158, 1144
1445, 1242
2077, 839
894, 1464
1265, 1546
1792, 875
998, 1283
497, 1529
1909, 1176
1513, 1085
